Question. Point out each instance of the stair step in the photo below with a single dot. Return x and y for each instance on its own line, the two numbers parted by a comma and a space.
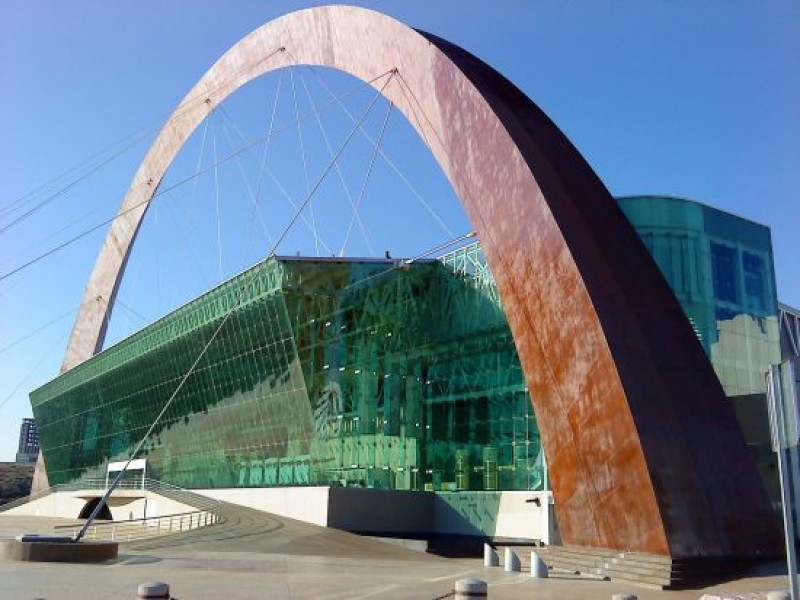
657, 585
643, 569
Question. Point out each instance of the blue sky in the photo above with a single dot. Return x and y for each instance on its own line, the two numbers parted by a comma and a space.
684, 98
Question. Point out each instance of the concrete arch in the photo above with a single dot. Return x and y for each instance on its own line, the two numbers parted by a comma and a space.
643, 448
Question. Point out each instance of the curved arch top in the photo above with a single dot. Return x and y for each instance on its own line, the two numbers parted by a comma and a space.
642, 446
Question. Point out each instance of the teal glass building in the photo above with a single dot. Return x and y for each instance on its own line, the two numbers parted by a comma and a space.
367, 373
720, 267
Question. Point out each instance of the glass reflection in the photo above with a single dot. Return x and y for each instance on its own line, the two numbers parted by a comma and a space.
328, 372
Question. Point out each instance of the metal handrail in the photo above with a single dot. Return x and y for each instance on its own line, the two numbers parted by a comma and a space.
147, 527
208, 512
182, 495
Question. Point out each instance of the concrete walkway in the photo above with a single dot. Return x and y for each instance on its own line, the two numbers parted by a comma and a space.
253, 555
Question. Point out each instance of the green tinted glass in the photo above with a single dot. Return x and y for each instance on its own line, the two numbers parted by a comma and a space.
327, 372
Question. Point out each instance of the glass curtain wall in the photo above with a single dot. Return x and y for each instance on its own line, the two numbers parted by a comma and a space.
328, 372
720, 268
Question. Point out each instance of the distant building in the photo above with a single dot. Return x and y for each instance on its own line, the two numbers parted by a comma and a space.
28, 442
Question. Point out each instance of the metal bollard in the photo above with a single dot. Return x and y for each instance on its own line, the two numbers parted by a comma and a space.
511, 562
490, 557
155, 590
623, 597
466, 589
538, 567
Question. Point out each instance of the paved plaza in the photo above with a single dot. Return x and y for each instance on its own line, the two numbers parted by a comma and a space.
254, 555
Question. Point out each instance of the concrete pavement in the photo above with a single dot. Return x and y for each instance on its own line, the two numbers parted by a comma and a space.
253, 555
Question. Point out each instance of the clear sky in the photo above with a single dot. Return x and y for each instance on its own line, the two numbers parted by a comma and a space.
684, 98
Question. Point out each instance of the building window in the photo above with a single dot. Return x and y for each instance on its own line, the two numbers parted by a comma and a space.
724, 268
755, 278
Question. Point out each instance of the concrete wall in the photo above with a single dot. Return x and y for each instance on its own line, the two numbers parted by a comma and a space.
148, 505
502, 516
381, 512
521, 517
124, 505
308, 504
64, 505
510, 516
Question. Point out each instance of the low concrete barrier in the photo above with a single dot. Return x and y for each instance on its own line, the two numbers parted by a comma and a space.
538, 567
157, 590
44, 551
511, 563
468, 589
490, 557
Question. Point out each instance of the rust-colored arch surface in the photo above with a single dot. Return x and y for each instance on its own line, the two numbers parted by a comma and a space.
643, 448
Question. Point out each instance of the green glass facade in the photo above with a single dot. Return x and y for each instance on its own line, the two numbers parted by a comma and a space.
720, 267
327, 372
377, 373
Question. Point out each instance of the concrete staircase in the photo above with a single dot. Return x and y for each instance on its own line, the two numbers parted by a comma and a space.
523, 552
583, 561
648, 570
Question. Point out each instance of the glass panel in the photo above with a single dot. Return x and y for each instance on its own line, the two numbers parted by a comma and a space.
724, 266
755, 281
730, 302
334, 372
